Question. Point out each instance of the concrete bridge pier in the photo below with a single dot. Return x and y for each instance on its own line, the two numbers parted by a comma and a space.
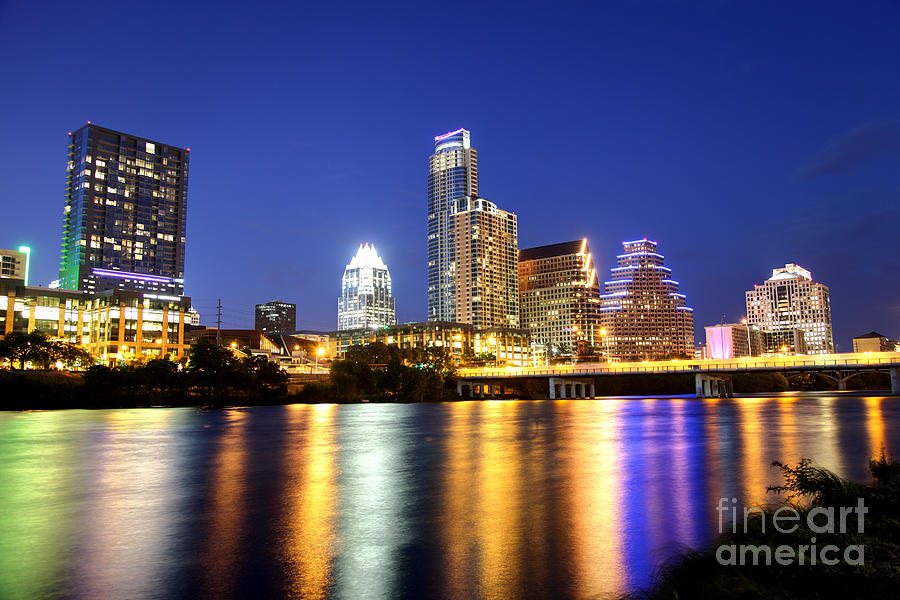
895, 381
713, 386
571, 388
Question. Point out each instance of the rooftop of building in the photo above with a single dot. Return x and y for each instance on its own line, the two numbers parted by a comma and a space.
459, 138
366, 257
96, 127
871, 334
551, 250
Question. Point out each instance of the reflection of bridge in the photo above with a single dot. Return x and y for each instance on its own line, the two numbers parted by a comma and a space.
712, 377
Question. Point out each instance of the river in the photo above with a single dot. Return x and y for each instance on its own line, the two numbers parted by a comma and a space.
483, 499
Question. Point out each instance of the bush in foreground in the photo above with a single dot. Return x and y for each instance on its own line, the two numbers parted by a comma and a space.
808, 488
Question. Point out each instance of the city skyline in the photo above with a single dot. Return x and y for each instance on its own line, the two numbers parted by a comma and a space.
711, 167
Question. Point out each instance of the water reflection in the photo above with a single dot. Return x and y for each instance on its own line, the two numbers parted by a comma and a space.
491, 499
228, 505
310, 500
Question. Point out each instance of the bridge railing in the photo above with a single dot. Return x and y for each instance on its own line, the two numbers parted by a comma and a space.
694, 366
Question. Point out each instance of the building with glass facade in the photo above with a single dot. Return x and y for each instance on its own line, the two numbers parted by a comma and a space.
643, 314
275, 316
559, 298
472, 244
111, 325
366, 299
790, 300
510, 346
125, 211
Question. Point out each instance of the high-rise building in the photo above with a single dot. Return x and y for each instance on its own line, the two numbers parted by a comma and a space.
790, 300
124, 218
276, 316
366, 299
559, 297
642, 314
14, 264
472, 244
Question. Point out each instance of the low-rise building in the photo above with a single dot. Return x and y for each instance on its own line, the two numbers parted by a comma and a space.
111, 325
733, 340
509, 346
873, 342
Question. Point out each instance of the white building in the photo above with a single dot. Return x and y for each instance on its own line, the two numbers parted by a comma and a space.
790, 301
366, 299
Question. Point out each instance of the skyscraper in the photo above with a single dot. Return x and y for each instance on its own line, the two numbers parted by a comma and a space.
559, 298
472, 244
790, 300
124, 217
642, 313
366, 299
275, 316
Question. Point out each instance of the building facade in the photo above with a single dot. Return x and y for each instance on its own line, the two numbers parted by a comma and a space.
472, 244
873, 342
559, 298
112, 325
14, 264
643, 315
790, 300
366, 299
510, 346
275, 316
125, 212
733, 340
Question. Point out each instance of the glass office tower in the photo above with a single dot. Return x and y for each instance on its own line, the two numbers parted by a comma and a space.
124, 217
452, 176
366, 299
472, 244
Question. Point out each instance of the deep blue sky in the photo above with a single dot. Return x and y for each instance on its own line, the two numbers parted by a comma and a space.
740, 135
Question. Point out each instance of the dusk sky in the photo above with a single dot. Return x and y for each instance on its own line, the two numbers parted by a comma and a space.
739, 135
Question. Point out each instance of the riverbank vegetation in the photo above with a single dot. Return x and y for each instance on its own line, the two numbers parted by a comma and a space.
211, 376
863, 562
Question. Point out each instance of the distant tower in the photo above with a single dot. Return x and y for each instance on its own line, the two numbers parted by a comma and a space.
472, 244
366, 299
643, 316
275, 316
124, 218
790, 301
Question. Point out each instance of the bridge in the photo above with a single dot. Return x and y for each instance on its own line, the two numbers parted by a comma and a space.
713, 378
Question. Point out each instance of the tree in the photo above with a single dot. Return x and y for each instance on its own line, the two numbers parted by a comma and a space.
41, 350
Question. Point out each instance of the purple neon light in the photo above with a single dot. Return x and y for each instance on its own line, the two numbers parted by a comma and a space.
123, 274
438, 138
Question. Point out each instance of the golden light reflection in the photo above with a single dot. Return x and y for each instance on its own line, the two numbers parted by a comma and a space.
787, 430
458, 524
592, 472
227, 507
310, 499
754, 465
875, 426
498, 509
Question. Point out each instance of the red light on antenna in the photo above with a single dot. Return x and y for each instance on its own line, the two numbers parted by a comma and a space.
69, 132
188, 149
89, 122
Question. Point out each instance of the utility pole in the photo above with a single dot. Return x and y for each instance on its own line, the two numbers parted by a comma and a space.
219, 324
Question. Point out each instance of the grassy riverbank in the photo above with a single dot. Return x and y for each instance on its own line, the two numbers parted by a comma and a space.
856, 557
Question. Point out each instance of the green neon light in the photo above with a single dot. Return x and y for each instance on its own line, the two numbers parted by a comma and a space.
27, 251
